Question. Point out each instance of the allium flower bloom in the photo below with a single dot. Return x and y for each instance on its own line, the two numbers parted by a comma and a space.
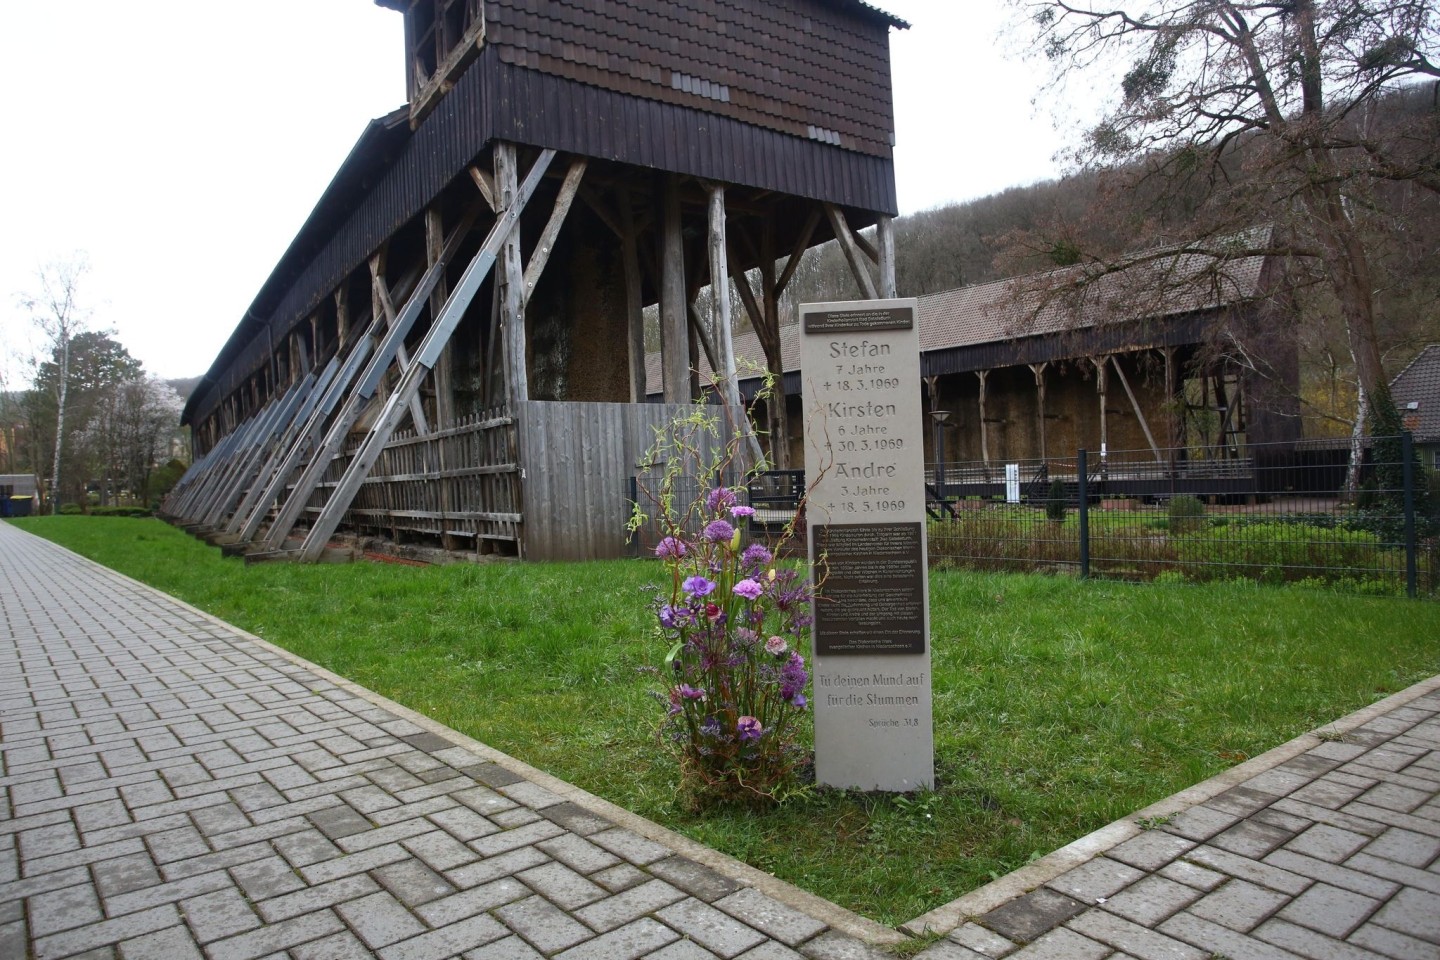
688, 692
742, 511
718, 531
720, 499
670, 548
793, 677
672, 617
748, 728
698, 586
748, 589
798, 701
777, 647
756, 556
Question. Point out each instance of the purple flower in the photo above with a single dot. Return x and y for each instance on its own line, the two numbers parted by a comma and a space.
793, 677
720, 499
710, 726
748, 728
742, 511
746, 636
718, 531
756, 555
688, 692
669, 548
698, 586
748, 589
777, 647
798, 701
672, 617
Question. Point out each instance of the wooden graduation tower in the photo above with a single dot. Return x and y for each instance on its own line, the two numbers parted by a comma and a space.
452, 348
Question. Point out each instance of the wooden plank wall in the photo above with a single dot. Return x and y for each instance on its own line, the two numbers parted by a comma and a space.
578, 459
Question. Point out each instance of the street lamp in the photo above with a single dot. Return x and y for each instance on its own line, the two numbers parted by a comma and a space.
940, 417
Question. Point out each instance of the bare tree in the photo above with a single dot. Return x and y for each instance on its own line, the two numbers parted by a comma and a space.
1256, 111
56, 311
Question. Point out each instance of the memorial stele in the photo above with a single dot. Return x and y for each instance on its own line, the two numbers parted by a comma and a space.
865, 508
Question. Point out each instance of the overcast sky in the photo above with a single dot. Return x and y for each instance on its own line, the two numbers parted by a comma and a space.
179, 144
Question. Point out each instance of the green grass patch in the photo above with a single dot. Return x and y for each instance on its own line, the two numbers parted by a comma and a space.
1059, 705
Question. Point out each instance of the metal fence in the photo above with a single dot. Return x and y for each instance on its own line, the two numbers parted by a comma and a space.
1308, 512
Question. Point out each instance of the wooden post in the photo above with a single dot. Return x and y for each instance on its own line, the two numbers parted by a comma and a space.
512, 282
541, 254
885, 235
1174, 424
342, 316
674, 333
443, 376
852, 253
1101, 387
1038, 369
724, 345
634, 307
1135, 405
984, 375
385, 307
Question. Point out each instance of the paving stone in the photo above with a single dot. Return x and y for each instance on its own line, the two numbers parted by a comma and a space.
169, 892
1329, 910
338, 946
1251, 838
1329, 792
578, 854
483, 800
1307, 943
1343, 877
709, 927
1096, 879
1221, 941
770, 916
1392, 944
439, 850
631, 846
263, 879
1405, 846
63, 909
316, 897
940, 950
1032, 915
1151, 900
620, 877
305, 848
1064, 944
513, 839
124, 874
510, 948
439, 913
1327, 843
1247, 869
276, 937
1398, 872
632, 904
1133, 938
493, 868
354, 863
984, 942
515, 817
105, 933
1239, 905
1415, 913
629, 942
1242, 801
694, 878
562, 886
494, 775
339, 821
543, 925
531, 795
576, 818
412, 882
1151, 850
682, 950
380, 920
463, 824
214, 916
1193, 875
170, 944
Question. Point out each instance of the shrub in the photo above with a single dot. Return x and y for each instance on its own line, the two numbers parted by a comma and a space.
1055, 501
71, 509
1186, 514
120, 511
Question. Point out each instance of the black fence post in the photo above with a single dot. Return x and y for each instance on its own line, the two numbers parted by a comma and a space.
1084, 497
1407, 470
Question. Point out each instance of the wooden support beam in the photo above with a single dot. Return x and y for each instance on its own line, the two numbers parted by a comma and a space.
359, 393
486, 185
720, 300
1102, 387
435, 339
387, 307
1038, 369
442, 376
802, 243
674, 339
512, 282
342, 317
984, 376
885, 234
541, 253
1135, 405
634, 299
852, 254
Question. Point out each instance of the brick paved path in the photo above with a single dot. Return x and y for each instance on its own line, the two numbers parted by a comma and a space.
1332, 853
174, 789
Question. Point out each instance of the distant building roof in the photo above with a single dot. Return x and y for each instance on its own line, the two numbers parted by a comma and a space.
1048, 307
1419, 384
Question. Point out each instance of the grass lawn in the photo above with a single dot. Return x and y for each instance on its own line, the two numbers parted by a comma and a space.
1059, 705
